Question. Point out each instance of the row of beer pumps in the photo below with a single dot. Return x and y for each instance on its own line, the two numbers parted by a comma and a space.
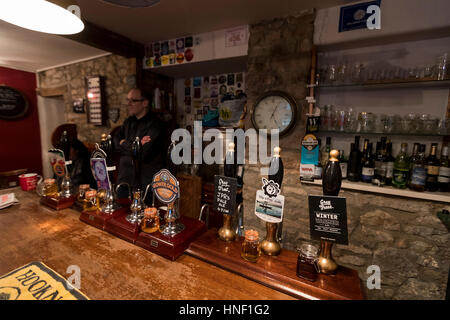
269, 203
137, 192
267, 207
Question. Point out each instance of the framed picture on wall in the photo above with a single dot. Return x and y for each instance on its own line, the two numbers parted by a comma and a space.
95, 98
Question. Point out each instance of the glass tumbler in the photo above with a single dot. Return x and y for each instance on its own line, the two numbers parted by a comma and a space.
307, 262
250, 249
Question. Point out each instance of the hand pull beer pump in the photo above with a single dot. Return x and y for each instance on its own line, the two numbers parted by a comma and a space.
66, 182
331, 183
137, 204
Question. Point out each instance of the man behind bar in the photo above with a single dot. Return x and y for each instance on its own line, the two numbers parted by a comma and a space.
144, 124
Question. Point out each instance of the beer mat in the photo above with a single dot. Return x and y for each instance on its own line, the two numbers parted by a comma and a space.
7, 200
36, 281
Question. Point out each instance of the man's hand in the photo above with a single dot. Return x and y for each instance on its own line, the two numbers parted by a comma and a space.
145, 139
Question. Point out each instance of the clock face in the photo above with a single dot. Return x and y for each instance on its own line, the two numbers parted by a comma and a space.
274, 112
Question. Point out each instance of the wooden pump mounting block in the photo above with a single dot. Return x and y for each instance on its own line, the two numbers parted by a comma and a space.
276, 272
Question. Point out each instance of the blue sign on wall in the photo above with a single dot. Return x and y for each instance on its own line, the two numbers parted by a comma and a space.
355, 16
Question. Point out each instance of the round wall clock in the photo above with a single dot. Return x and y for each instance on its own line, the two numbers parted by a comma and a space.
274, 110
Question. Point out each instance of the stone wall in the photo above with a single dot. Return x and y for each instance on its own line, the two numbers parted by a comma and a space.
120, 77
402, 236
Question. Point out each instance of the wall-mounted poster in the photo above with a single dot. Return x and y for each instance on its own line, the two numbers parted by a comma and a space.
236, 37
13, 104
355, 16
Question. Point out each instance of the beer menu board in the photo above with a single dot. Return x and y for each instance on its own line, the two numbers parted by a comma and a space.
328, 219
13, 104
224, 194
94, 98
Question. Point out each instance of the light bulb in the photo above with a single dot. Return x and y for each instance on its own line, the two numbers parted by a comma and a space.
40, 15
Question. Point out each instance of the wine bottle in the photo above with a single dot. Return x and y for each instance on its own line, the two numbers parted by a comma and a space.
368, 166
389, 162
318, 168
354, 162
276, 169
401, 168
332, 176
343, 163
230, 162
380, 163
326, 152
432, 168
419, 173
444, 171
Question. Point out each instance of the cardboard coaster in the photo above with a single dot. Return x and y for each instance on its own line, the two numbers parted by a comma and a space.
36, 281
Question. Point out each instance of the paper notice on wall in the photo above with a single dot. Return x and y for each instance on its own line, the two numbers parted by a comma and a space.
236, 37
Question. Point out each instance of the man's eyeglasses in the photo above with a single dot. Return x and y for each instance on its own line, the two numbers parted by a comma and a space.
135, 100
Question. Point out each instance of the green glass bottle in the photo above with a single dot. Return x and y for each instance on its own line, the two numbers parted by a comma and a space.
401, 168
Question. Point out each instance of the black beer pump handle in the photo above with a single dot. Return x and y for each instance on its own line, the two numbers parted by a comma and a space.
332, 176
276, 168
64, 145
136, 154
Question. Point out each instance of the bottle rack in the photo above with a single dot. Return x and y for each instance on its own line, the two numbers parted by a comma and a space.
389, 190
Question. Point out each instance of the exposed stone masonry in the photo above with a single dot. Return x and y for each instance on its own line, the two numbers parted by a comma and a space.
402, 236
119, 73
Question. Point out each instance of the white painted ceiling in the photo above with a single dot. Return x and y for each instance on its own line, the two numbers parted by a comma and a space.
172, 18
31, 51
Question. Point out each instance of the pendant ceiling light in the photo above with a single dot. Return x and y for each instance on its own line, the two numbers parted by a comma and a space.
42, 16
133, 3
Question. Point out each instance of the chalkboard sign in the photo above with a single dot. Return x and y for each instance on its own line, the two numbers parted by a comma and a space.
13, 104
224, 194
328, 219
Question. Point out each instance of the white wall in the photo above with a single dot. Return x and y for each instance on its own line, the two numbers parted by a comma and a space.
212, 45
51, 115
401, 101
397, 17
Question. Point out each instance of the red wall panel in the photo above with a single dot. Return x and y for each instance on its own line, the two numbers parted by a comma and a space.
20, 140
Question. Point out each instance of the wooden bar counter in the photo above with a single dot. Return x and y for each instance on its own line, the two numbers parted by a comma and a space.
111, 268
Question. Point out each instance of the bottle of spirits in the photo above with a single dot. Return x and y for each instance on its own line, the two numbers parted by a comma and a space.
368, 166
326, 152
332, 176
318, 169
276, 169
432, 166
230, 163
415, 151
376, 159
343, 163
444, 171
419, 173
401, 168
354, 162
389, 162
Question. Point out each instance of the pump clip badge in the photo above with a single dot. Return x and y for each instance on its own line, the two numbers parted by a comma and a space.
57, 162
165, 186
269, 202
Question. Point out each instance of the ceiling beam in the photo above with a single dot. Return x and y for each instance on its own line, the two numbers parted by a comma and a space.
107, 40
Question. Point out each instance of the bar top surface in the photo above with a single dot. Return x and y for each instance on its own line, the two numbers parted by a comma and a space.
111, 268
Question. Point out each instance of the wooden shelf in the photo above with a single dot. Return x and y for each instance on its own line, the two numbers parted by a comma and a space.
202, 68
388, 190
383, 133
424, 83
